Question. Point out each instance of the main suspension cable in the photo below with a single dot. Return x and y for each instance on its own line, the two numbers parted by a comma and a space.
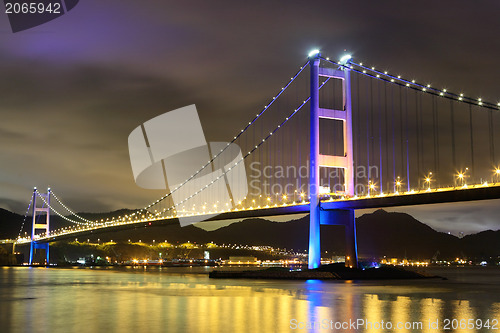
24, 219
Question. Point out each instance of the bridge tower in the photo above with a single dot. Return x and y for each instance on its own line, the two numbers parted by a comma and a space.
40, 226
336, 217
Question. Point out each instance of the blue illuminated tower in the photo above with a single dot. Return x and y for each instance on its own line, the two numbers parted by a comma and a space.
337, 217
40, 226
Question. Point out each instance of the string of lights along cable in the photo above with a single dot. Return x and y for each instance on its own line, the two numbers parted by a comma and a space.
405, 142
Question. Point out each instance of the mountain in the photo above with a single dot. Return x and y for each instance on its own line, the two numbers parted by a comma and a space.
399, 234
379, 234
482, 244
10, 224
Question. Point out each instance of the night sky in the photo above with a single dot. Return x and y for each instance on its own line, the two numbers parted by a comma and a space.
73, 89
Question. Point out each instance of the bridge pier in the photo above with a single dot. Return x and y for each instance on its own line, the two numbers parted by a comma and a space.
317, 160
40, 226
346, 218
39, 246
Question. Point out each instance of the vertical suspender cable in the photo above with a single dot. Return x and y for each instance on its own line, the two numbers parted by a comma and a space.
435, 134
381, 171
401, 128
357, 160
433, 109
393, 125
471, 141
368, 133
492, 137
283, 163
335, 84
297, 148
437, 138
452, 120
372, 136
387, 136
417, 122
407, 143
422, 139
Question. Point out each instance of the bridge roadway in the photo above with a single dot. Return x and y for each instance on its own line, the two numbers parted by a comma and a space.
444, 195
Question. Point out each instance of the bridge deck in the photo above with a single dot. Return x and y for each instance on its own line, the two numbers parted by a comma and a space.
447, 195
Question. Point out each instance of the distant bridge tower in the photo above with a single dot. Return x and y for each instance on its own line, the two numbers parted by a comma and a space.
36, 226
335, 217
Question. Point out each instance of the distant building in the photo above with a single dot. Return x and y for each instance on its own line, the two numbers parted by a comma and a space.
242, 261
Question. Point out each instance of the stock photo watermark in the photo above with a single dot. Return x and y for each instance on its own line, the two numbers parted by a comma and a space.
383, 325
170, 152
270, 180
26, 14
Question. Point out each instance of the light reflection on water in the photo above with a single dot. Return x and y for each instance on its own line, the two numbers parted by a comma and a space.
169, 300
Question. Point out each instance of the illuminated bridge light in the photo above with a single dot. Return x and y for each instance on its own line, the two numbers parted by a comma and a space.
460, 176
313, 53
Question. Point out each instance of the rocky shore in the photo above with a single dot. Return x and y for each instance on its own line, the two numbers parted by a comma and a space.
326, 272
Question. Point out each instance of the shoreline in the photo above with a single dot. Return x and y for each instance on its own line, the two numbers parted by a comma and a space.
326, 272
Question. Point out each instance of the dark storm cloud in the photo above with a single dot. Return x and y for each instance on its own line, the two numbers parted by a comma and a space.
74, 127
74, 88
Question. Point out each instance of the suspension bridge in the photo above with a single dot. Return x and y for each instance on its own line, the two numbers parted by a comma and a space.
337, 137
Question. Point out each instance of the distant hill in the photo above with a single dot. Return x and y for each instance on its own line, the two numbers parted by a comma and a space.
399, 234
379, 234
482, 244
10, 223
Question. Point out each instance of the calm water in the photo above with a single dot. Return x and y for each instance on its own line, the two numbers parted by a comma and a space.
179, 300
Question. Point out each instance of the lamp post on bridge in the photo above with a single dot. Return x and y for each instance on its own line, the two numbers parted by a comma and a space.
461, 177
398, 184
497, 175
428, 180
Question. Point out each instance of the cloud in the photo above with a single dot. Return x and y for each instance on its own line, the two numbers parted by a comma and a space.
74, 88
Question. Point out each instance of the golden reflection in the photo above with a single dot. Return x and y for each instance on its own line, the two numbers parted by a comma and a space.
283, 311
268, 309
202, 310
240, 314
462, 312
401, 313
495, 311
80, 300
431, 310
172, 303
350, 306
300, 308
225, 308
373, 313
216, 320
254, 315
